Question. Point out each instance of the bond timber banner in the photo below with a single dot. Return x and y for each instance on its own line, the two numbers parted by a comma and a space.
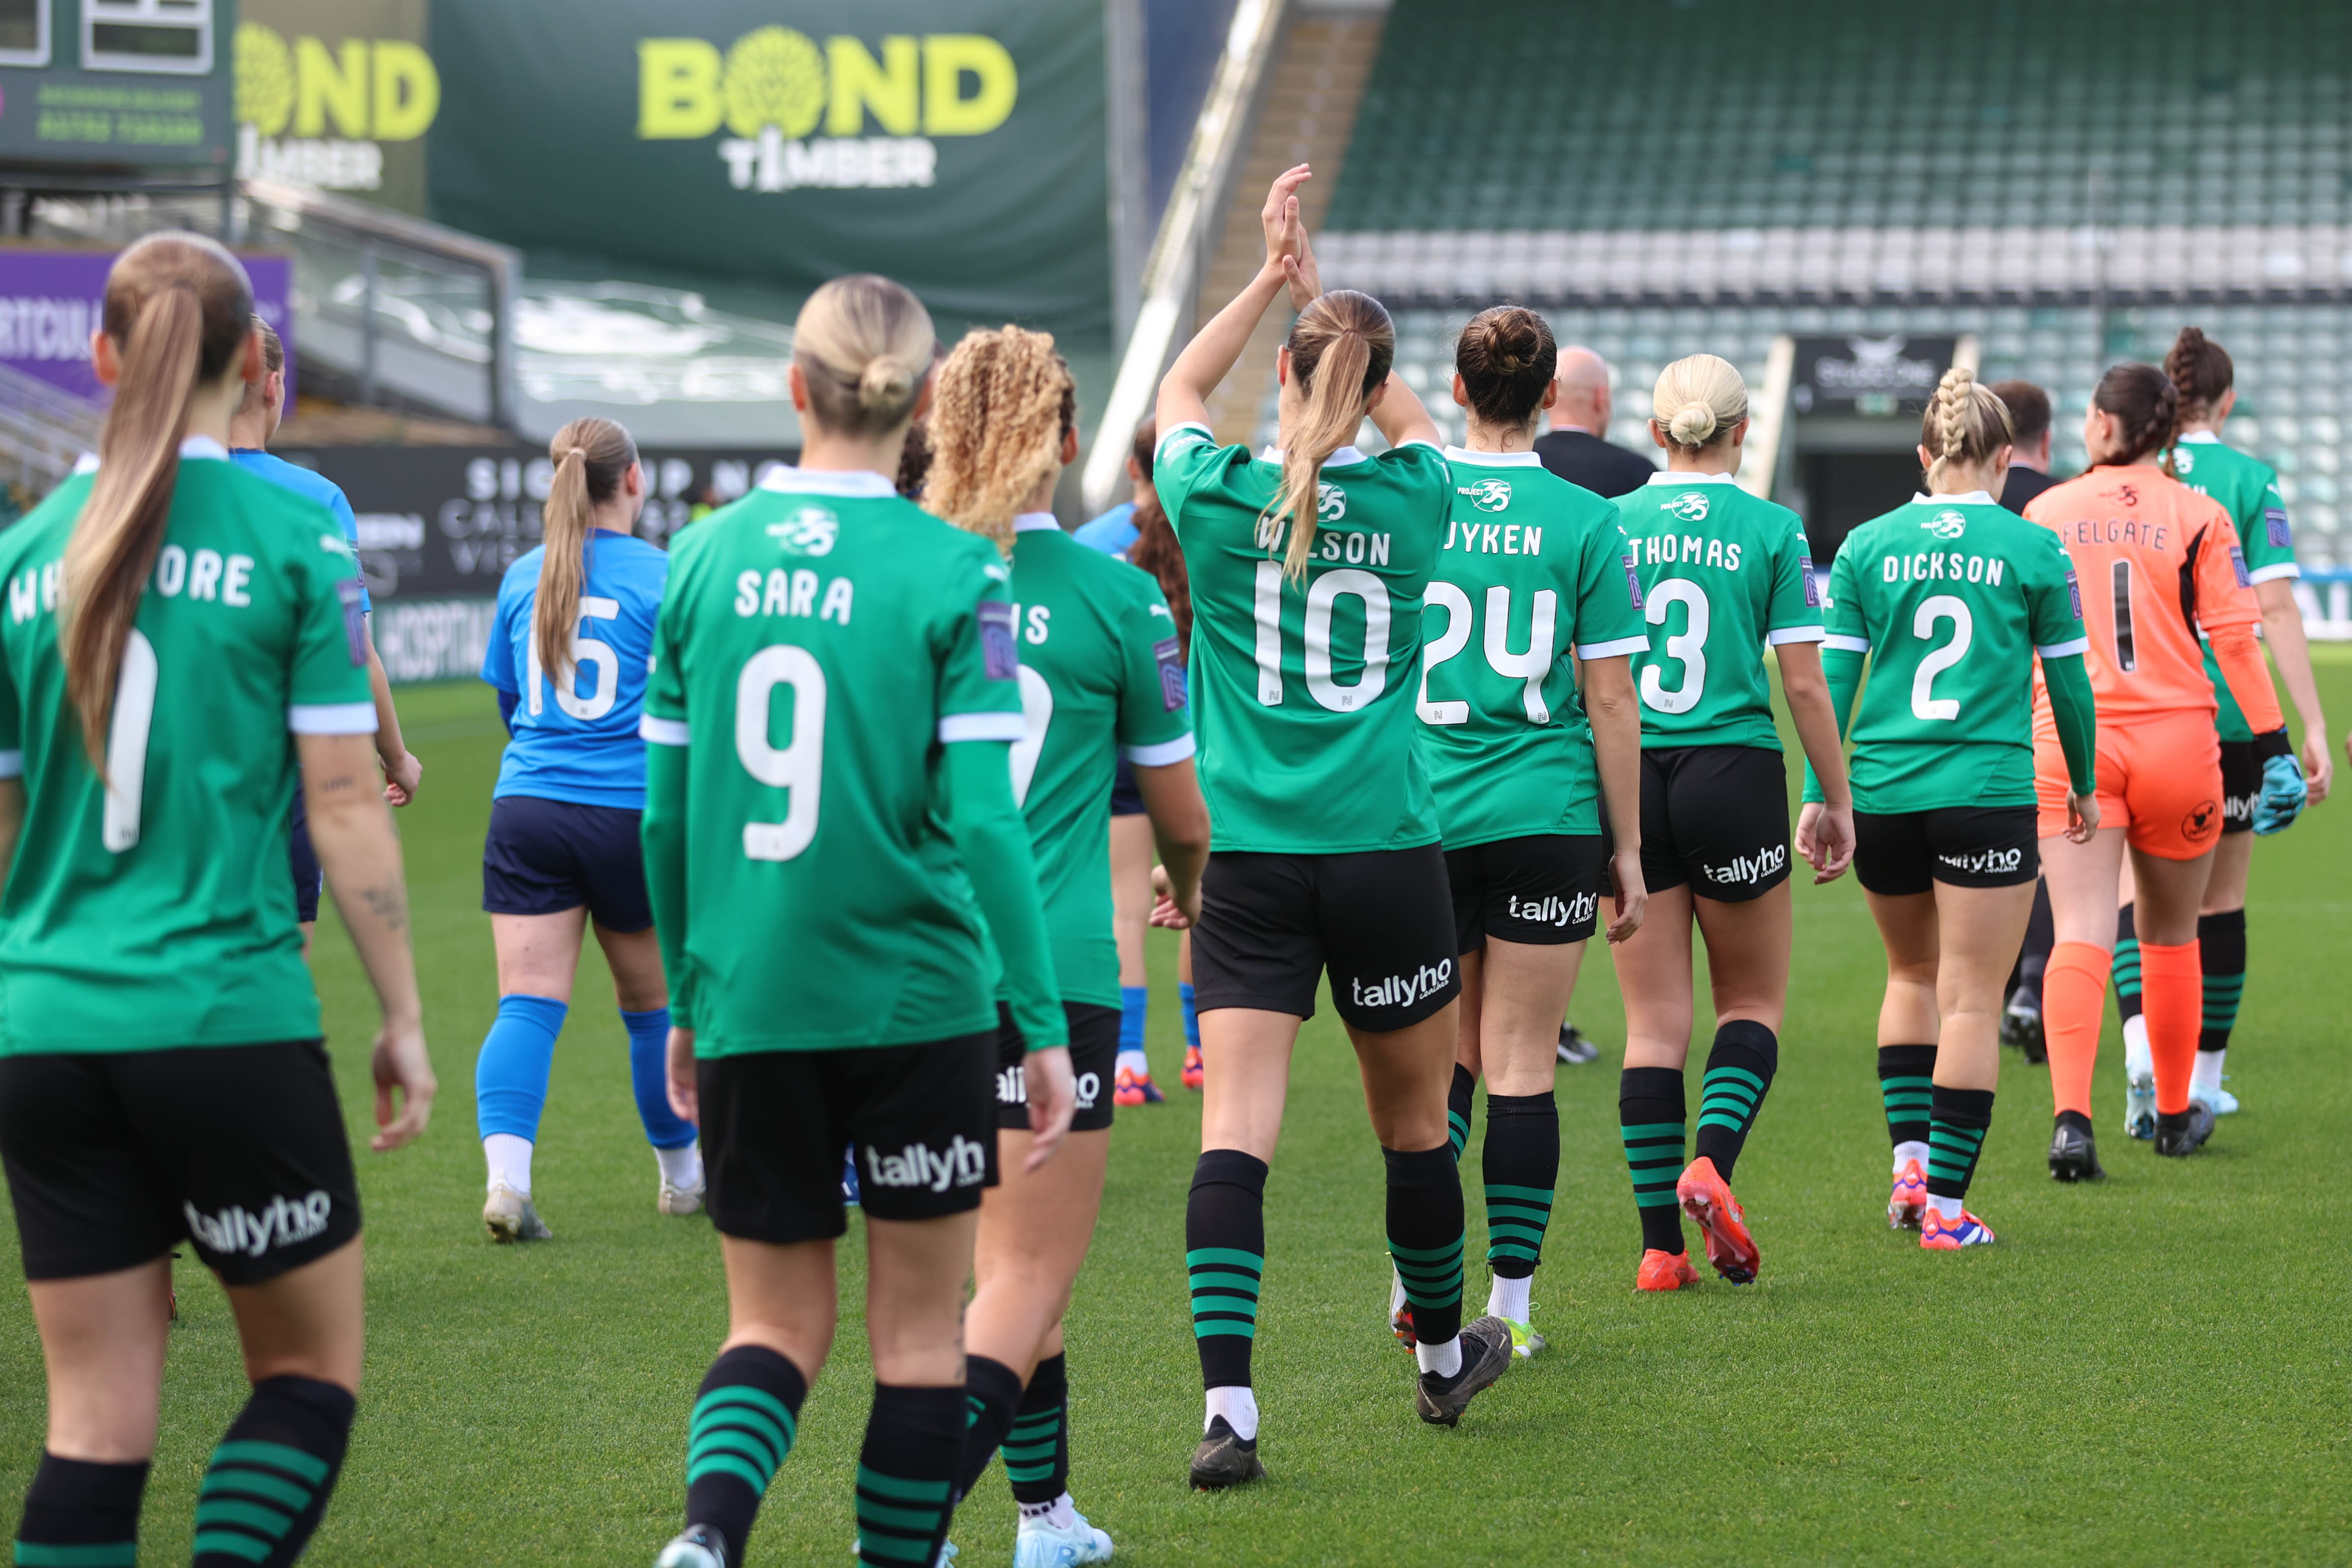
957, 145
337, 94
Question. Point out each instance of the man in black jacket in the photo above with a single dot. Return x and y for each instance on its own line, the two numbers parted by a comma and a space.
1575, 449
2029, 453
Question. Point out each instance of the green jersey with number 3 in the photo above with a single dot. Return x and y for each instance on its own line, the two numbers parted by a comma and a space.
157, 913
1100, 677
1305, 692
2248, 489
1951, 596
1535, 564
821, 641
1723, 574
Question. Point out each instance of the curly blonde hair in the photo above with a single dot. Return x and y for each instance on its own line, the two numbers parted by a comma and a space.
1002, 407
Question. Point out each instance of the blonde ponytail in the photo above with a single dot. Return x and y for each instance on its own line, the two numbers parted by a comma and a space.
1340, 349
1697, 400
591, 455
1004, 403
1964, 422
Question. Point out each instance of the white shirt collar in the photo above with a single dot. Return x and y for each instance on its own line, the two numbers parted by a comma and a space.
202, 448
1574, 429
1492, 460
859, 484
1974, 498
1342, 459
1036, 522
2201, 438
1669, 477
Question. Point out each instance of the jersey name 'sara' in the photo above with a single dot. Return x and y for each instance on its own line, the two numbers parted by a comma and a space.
1722, 573
1100, 677
1303, 690
1535, 564
2249, 492
1952, 598
157, 913
820, 641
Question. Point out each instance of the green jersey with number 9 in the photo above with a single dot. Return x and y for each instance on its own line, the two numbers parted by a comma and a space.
1305, 697
2248, 489
157, 913
1100, 676
820, 642
1951, 596
1723, 574
1531, 562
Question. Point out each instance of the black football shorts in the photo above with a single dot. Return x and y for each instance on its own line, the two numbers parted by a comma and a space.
1544, 889
1380, 922
1094, 1062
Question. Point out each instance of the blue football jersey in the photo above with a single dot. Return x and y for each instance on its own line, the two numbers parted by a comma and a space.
1114, 532
303, 482
578, 742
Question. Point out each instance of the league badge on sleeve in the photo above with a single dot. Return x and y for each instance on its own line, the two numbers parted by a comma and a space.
998, 656
2274, 521
2238, 564
1633, 581
348, 590
1171, 674
1812, 583
2074, 592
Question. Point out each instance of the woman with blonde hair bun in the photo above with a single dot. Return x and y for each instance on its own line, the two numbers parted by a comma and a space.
1722, 573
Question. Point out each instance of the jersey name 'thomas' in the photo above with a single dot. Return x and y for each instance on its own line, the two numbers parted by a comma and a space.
1951, 596
1535, 564
157, 913
1722, 574
2248, 490
1303, 693
820, 641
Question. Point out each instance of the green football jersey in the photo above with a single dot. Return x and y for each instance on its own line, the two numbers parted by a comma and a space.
1304, 695
2249, 490
820, 642
1534, 563
157, 913
1951, 596
1101, 677
1722, 574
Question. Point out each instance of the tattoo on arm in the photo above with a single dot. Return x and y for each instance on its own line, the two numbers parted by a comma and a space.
339, 783
389, 904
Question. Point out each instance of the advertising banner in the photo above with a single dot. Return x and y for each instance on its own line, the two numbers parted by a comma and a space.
957, 145
115, 83
51, 300
337, 94
1869, 375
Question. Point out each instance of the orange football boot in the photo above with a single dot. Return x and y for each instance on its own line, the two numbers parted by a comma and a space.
1665, 1271
1706, 1199
1194, 1074
1909, 1202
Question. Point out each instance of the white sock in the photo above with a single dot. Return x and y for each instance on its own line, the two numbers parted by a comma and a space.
1946, 1208
1508, 1298
1061, 1513
682, 1166
2139, 1062
1444, 1360
1132, 1059
1908, 1150
1237, 1402
510, 1160
2205, 1083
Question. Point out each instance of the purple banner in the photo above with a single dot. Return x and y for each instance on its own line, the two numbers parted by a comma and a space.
51, 300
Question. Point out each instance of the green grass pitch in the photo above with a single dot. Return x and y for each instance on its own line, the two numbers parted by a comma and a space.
2154, 1369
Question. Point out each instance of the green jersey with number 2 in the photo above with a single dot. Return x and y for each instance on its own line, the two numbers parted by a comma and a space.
157, 913
1533, 563
1723, 574
1304, 692
821, 641
1951, 596
2248, 489
1100, 677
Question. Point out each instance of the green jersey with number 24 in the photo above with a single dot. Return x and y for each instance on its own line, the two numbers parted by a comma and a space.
1951, 596
1533, 563
157, 913
1305, 692
1723, 574
2248, 489
821, 641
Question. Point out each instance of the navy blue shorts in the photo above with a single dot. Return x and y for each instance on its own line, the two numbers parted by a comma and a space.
1125, 800
543, 857
308, 877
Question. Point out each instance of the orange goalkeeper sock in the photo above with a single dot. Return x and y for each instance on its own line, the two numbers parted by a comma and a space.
2073, 998
2172, 999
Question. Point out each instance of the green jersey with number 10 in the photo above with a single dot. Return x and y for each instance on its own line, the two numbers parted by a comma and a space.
1723, 574
1951, 596
157, 913
2248, 490
1304, 696
1100, 676
1533, 562
820, 642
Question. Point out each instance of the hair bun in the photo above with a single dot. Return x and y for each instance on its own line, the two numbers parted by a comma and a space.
1692, 424
886, 383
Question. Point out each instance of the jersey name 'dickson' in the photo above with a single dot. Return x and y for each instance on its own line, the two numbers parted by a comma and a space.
200, 574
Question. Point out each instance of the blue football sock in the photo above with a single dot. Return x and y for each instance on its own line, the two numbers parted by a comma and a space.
510, 1075
649, 1076
1191, 1019
1134, 1001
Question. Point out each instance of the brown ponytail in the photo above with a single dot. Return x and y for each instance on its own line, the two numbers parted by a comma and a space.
1002, 405
2146, 404
178, 310
1506, 358
1340, 349
1155, 548
591, 457
2200, 371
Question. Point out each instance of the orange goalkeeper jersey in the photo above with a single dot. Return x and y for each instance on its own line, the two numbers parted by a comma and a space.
2156, 560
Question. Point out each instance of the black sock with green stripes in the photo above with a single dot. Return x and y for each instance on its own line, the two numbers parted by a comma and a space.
1738, 1075
1225, 1254
746, 1415
906, 1474
1521, 1167
1457, 1110
2221, 954
267, 1485
1907, 1077
1651, 1110
80, 1514
991, 1396
1956, 1138
1037, 1453
2125, 973
1425, 1238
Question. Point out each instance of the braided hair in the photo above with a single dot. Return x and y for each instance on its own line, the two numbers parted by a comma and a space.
1964, 422
2200, 372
